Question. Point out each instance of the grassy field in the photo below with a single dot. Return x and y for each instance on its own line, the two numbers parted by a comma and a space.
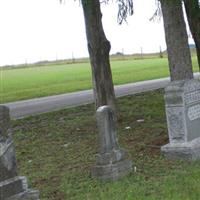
31, 82
56, 152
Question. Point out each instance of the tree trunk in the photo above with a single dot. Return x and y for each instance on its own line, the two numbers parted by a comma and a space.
99, 48
179, 57
193, 15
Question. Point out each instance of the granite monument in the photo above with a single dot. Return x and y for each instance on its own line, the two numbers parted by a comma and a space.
182, 103
12, 186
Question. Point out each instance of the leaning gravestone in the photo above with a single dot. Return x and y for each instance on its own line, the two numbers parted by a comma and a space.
12, 186
112, 162
182, 102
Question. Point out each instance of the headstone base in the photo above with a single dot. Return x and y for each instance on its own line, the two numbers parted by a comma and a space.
27, 195
112, 171
17, 189
183, 151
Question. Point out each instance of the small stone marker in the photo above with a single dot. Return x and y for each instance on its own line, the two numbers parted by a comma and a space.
182, 103
12, 186
112, 162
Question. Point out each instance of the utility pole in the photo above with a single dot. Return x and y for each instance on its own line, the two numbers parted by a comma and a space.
123, 53
161, 53
141, 52
73, 59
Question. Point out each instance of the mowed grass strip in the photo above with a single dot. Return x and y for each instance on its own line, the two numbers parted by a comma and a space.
27, 83
56, 152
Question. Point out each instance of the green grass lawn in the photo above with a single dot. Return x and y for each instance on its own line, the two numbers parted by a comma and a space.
57, 150
26, 83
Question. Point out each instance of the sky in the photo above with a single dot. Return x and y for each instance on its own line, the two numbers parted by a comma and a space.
36, 30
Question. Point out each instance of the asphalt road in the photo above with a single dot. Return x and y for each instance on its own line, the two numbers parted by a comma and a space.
21, 109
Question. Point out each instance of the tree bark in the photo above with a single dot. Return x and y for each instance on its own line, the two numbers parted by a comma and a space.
179, 56
193, 15
99, 48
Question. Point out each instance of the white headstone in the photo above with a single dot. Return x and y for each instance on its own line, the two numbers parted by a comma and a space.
112, 161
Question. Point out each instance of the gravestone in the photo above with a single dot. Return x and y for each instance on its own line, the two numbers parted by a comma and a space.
182, 103
111, 162
12, 186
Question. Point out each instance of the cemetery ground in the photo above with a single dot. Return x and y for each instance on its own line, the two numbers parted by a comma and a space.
57, 150
37, 81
